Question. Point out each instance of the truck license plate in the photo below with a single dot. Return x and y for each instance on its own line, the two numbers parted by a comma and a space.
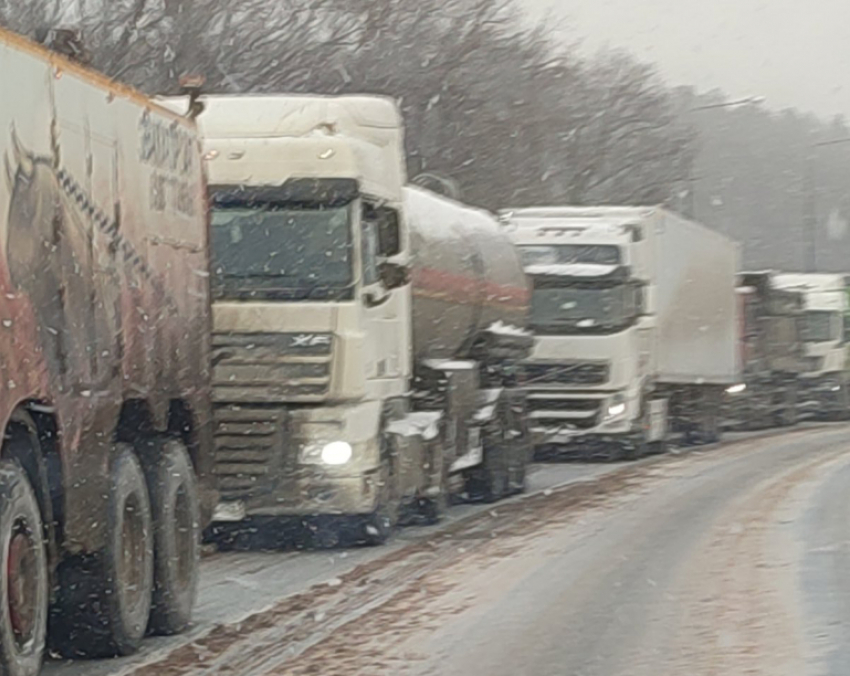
229, 511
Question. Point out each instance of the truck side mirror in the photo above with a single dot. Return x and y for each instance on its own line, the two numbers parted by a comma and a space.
394, 275
389, 232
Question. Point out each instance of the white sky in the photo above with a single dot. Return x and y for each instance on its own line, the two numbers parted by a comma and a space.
792, 52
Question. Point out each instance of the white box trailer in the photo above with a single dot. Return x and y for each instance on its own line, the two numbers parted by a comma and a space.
634, 314
693, 274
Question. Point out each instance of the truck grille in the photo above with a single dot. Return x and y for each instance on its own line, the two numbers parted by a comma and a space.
565, 373
249, 449
271, 367
549, 410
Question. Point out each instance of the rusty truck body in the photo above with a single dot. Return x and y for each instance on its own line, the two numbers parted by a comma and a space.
104, 331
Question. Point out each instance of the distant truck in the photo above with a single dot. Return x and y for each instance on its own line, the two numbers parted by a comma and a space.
824, 383
771, 340
105, 407
362, 340
634, 316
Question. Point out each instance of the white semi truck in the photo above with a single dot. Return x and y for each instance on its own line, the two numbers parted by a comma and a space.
634, 318
361, 360
824, 381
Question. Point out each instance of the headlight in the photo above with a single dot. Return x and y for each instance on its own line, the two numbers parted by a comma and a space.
736, 389
336, 453
616, 407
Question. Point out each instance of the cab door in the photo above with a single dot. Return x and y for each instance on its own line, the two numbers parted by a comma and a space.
383, 310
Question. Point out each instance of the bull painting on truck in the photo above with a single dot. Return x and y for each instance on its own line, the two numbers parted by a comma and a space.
104, 396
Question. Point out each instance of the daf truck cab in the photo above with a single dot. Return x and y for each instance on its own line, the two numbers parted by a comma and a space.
310, 294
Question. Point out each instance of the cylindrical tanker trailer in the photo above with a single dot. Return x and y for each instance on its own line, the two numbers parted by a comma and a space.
470, 309
468, 280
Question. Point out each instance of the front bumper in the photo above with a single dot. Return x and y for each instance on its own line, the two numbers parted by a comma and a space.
308, 495
263, 471
616, 429
821, 396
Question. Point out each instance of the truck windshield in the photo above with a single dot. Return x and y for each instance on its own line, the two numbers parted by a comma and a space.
281, 252
580, 309
820, 326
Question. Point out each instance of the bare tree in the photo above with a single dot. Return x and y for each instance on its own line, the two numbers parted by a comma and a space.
510, 115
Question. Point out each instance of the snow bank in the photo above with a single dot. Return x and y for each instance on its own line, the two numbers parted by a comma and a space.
502, 329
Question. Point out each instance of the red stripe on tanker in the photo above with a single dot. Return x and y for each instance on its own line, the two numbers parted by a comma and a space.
467, 275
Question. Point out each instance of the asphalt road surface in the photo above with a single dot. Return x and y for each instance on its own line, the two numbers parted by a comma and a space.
730, 560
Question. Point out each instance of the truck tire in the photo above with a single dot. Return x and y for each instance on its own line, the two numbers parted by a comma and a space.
490, 481
105, 598
707, 430
637, 445
788, 416
378, 526
23, 628
176, 517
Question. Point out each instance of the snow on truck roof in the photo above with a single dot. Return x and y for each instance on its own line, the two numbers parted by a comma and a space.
277, 115
611, 225
813, 281
609, 214
588, 270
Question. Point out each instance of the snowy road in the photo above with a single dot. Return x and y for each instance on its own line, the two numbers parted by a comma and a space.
727, 561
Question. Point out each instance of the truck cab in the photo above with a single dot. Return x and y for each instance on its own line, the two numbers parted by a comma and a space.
590, 316
311, 301
824, 382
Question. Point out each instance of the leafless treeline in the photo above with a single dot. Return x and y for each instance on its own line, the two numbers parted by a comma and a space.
499, 107
512, 115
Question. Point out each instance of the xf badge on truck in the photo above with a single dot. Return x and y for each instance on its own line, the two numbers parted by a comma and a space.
310, 339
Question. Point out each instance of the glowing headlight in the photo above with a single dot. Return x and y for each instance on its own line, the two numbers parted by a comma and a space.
736, 389
616, 407
336, 453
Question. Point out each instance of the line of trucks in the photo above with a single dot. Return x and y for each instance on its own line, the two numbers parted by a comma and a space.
222, 309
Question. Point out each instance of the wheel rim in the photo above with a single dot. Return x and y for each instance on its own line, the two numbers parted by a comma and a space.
23, 582
133, 557
184, 536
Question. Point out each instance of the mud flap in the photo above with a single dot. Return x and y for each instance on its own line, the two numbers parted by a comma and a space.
506, 444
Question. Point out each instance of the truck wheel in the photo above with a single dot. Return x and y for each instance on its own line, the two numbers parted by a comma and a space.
637, 445
23, 628
105, 598
490, 481
176, 533
378, 525
433, 508
788, 417
708, 429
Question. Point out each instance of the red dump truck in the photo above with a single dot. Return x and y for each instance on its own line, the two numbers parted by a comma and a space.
104, 387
